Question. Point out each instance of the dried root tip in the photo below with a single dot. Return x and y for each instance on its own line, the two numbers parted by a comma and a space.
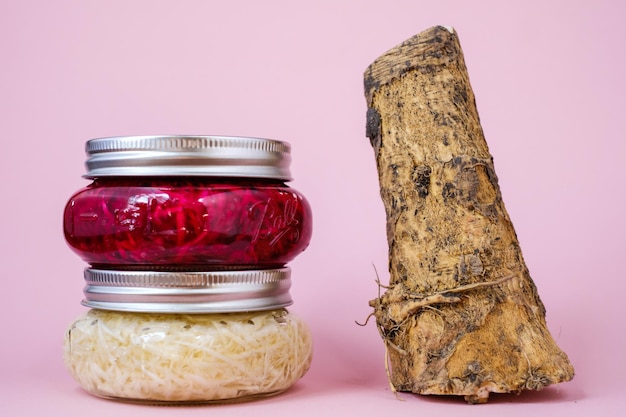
367, 319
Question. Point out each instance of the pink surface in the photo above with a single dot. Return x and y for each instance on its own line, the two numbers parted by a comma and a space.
548, 77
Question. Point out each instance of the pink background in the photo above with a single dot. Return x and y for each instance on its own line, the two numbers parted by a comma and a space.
549, 82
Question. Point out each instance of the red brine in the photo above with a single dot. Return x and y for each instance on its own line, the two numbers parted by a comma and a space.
199, 223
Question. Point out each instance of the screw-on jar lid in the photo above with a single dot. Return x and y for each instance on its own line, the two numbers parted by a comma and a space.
187, 292
223, 156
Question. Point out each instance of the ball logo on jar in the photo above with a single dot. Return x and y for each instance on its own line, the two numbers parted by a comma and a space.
276, 222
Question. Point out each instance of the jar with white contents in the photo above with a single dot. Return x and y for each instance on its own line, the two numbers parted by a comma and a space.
187, 240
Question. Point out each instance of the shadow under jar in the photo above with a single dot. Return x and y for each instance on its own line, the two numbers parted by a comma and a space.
192, 203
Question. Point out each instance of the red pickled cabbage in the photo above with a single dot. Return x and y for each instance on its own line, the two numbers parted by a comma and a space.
197, 223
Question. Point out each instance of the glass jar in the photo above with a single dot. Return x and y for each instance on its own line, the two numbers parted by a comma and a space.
143, 344
190, 202
187, 240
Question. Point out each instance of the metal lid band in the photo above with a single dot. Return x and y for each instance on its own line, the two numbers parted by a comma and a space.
175, 155
187, 292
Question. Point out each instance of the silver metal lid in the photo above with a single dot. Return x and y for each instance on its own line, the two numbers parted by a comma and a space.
187, 292
223, 156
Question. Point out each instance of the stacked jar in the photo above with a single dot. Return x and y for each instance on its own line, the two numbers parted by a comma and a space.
188, 240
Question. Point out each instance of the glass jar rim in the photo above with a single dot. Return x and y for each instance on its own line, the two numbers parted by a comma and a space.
188, 155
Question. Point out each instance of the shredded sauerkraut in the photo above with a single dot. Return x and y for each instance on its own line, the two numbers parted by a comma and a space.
187, 358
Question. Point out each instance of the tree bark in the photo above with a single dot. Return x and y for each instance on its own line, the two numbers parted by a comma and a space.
461, 315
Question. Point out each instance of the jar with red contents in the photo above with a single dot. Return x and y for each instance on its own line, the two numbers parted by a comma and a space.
180, 233
201, 203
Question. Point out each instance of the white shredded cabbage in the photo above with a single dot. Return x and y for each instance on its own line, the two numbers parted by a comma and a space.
173, 357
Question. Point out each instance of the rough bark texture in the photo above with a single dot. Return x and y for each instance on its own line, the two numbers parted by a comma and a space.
461, 315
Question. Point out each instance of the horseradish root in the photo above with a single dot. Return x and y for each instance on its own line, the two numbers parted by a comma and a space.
461, 315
